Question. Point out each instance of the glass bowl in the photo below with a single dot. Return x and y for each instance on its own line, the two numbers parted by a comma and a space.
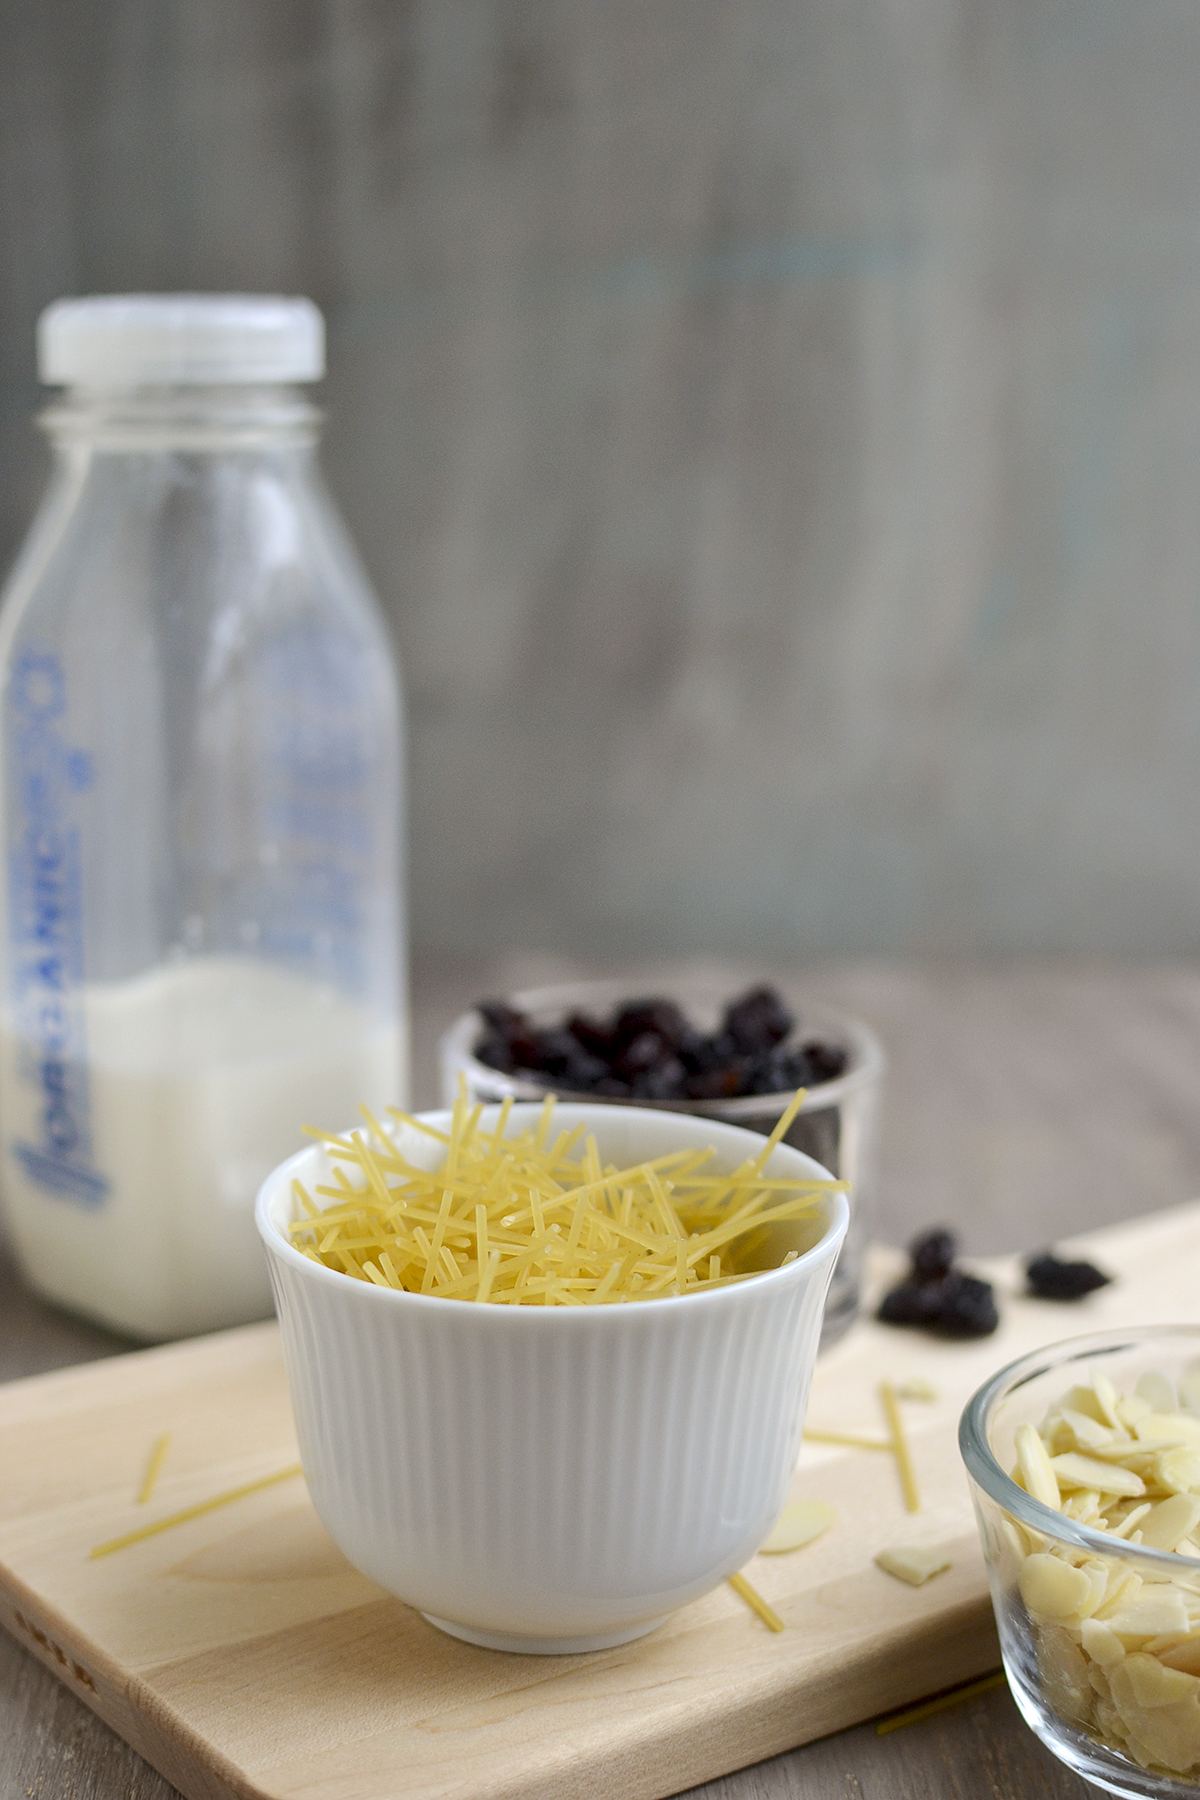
837, 1124
1100, 1637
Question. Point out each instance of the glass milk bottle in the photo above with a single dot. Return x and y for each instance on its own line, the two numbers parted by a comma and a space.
200, 769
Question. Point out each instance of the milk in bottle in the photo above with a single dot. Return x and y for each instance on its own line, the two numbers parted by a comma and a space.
200, 777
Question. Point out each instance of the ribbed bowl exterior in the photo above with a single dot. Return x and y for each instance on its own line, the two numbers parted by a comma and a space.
550, 1472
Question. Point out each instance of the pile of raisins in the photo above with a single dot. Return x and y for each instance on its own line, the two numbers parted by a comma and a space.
650, 1050
938, 1296
952, 1303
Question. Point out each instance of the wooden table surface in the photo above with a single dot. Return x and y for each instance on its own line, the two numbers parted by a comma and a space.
1021, 1100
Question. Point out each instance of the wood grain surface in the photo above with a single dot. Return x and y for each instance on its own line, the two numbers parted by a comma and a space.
1126, 1050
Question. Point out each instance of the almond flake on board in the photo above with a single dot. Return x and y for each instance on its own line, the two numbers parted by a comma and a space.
798, 1524
914, 1563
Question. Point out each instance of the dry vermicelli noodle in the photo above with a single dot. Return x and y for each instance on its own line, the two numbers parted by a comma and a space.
537, 1219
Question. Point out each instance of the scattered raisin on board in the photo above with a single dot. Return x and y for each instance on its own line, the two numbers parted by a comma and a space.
939, 1297
648, 1049
1050, 1279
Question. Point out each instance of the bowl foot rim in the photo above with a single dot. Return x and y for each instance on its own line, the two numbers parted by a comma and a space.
544, 1646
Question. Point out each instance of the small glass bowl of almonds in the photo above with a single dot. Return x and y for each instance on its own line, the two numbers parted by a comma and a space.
1084, 1461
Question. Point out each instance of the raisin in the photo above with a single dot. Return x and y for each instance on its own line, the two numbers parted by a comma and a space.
662, 1017
715, 1084
594, 1036
966, 1306
494, 1051
517, 1033
698, 1054
641, 1054
779, 1071
556, 1051
1051, 1279
910, 1303
938, 1296
826, 1062
757, 1020
501, 1017
933, 1254
783, 1070
664, 1082
581, 1073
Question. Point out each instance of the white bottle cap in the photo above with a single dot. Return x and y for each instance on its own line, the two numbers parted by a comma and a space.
150, 340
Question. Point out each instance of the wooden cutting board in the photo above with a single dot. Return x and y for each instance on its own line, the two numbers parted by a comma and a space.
241, 1655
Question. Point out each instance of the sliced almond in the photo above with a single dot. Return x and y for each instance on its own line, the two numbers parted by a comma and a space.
914, 1563
1036, 1470
1097, 1576
1066, 1684
1101, 1642
1019, 1541
1167, 1524
1152, 1685
1106, 1399
916, 1389
1133, 1519
1184, 1655
1129, 1453
1168, 1428
1189, 1388
1155, 1611
798, 1524
1178, 1470
1130, 1409
1164, 1737
1088, 1433
1082, 1399
1078, 1471
1123, 1588
1156, 1386
1053, 1588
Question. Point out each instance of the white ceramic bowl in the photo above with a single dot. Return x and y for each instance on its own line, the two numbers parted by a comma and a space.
552, 1478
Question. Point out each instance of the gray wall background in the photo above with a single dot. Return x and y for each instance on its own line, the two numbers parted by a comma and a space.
773, 427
